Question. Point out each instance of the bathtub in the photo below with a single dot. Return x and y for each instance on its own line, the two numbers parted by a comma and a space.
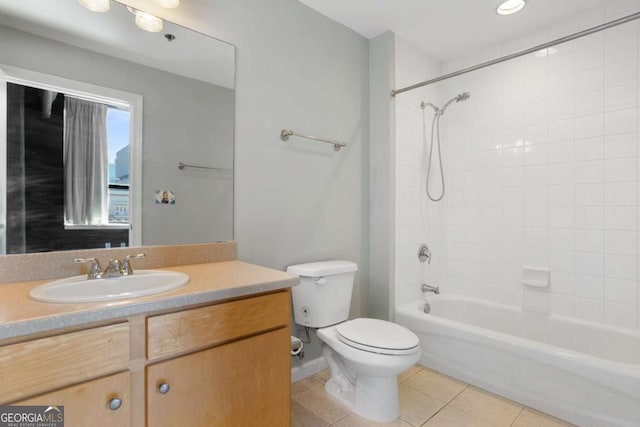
582, 372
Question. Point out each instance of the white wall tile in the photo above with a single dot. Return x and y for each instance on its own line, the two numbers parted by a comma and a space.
541, 168
617, 170
589, 309
621, 315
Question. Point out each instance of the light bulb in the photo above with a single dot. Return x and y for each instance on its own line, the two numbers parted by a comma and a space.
96, 5
167, 4
148, 22
510, 7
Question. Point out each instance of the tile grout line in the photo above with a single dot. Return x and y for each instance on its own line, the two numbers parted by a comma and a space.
518, 416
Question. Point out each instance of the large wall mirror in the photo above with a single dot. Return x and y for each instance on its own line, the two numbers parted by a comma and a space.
111, 135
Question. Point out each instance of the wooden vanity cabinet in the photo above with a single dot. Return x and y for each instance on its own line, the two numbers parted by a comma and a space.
242, 379
225, 364
74, 370
104, 402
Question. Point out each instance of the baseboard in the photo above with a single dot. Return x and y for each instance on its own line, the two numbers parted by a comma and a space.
307, 369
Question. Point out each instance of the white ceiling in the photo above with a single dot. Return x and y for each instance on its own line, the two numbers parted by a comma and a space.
447, 29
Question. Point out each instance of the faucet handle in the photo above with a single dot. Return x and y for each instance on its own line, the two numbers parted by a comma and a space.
126, 264
95, 271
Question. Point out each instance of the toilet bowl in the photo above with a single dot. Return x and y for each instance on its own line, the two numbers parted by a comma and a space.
365, 362
365, 355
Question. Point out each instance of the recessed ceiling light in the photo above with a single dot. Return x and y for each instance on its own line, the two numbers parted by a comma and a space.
96, 5
510, 7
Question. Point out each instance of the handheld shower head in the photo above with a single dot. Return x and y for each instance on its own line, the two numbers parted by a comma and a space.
463, 96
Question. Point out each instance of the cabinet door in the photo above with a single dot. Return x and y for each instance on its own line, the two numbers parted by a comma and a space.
87, 404
244, 383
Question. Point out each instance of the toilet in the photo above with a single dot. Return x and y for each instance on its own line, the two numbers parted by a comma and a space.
364, 355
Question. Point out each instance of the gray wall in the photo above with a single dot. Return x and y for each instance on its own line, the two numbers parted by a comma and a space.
382, 172
184, 120
296, 201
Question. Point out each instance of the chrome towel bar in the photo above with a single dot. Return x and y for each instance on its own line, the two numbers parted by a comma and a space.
285, 134
182, 166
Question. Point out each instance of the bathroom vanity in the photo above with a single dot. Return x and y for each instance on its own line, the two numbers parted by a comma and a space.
215, 352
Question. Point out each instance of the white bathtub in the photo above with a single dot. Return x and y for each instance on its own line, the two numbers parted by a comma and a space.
582, 372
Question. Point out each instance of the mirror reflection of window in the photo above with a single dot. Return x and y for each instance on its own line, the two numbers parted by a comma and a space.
96, 164
35, 172
118, 147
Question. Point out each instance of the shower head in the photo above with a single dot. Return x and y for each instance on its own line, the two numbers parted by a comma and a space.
463, 96
460, 97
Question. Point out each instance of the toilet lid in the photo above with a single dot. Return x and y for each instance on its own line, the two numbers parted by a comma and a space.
377, 336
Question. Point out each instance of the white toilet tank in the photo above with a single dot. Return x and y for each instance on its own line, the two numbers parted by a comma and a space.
323, 296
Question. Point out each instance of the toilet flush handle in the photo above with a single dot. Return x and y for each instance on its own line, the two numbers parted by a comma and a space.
320, 281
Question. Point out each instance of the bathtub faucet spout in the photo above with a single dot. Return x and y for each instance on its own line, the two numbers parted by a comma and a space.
429, 288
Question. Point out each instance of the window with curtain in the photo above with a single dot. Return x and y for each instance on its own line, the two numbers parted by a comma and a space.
96, 164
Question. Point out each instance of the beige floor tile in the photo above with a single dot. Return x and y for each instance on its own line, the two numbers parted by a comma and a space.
302, 417
321, 405
487, 406
452, 417
299, 387
436, 385
326, 374
532, 418
409, 373
355, 421
417, 407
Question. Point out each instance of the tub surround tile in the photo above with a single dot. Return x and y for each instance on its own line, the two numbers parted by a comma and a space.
489, 407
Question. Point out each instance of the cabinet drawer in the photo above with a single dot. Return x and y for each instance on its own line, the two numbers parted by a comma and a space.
88, 403
199, 328
36, 366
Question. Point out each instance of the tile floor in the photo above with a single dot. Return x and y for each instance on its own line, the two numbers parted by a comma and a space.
427, 399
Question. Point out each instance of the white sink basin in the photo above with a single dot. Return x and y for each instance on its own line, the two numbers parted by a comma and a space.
80, 289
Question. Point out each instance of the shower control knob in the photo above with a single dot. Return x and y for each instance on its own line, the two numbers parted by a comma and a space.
424, 254
164, 388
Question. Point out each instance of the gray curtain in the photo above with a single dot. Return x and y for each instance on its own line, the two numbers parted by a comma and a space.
86, 172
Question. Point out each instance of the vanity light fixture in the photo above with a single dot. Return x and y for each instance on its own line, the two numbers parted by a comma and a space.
96, 5
509, 7
167, 4
146, 21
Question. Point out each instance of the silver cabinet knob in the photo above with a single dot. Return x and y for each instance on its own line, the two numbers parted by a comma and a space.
164, 388
115, 403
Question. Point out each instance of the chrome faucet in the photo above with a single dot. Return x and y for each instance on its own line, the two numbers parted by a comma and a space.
95, 271
114, 269
429, 288
126, 264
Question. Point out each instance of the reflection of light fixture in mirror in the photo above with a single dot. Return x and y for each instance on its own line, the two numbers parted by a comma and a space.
146, 21
167, 4
510, 7
96, 5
